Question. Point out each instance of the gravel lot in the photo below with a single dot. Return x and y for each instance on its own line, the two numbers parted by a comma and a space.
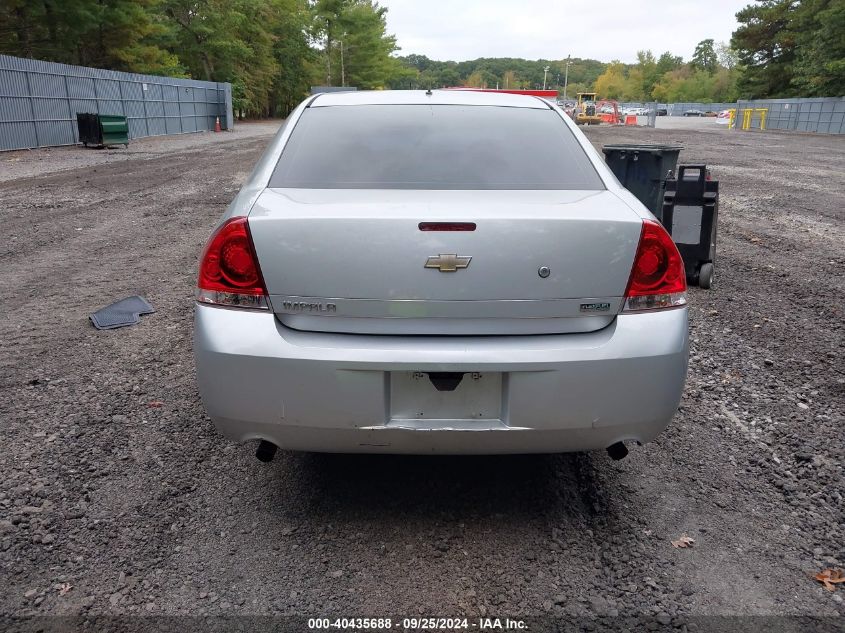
119, 498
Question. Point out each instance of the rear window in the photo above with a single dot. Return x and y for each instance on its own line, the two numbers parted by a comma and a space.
433, 147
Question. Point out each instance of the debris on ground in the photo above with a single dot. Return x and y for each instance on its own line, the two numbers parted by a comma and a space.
830, 578
683, 542
121, 313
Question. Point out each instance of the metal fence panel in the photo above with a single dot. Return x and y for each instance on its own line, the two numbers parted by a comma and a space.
678, 109
156, 126
39, 102
821, 115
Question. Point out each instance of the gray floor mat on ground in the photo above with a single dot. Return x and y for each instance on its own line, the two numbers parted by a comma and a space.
124, 312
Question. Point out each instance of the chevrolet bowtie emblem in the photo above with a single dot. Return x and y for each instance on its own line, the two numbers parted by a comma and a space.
447, 263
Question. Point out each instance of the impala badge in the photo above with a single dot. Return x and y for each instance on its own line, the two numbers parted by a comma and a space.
447, 263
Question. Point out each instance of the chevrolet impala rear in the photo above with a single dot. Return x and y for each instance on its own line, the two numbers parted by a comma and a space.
438, 272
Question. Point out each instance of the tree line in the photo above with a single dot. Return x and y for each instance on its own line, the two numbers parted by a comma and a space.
508, 73
782, 48
272, 51
709, 76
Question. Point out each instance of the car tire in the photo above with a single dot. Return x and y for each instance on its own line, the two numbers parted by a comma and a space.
706, 276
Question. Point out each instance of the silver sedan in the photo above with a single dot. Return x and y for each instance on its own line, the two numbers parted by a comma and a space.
438, 272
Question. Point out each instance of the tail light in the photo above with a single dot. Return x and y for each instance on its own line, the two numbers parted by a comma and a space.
658, 279
229, 274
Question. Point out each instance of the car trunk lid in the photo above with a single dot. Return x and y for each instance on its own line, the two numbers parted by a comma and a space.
357, 260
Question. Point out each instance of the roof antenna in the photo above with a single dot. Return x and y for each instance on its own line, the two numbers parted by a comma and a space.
428, 92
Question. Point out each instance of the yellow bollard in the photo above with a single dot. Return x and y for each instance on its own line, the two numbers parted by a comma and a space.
746, 119
763, 112
731, 118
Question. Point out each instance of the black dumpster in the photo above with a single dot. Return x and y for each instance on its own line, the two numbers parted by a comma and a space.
690, 213
642, 170
89, 129
102, 129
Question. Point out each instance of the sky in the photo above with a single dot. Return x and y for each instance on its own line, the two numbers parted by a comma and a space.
547, 29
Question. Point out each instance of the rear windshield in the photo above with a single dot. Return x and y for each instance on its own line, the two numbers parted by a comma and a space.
433, 147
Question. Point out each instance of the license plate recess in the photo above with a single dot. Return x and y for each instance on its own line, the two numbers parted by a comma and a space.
477, 397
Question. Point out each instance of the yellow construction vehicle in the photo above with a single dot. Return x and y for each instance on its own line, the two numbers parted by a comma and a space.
585, 111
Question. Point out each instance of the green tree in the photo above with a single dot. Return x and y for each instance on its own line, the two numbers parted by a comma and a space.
448, 77
634, 83
403, 77
365, 47
574, 88
327, 15
356, 47
294, 56
765, 46
204, 35
667, 62
476, 80
724, 85
649, 71
704, 57
819, 31
791, 48
612, 83
685, 84
113, 34
510, 80
260, 46
727, 56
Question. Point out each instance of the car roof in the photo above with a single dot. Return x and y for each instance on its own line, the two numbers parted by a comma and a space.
422, 97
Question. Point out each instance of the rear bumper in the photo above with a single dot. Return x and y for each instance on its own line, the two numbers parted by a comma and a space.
331, 392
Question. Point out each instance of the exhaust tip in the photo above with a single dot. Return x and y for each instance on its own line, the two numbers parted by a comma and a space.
266, 451
617, 451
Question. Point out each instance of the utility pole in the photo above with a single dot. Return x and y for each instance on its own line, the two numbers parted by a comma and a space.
342, 67
545, 72
328, 58
566, 76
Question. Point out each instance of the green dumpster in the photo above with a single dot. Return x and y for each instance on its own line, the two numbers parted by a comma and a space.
115, 129
642, 170
102, 129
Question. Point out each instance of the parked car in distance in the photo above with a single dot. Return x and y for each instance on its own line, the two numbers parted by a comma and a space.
694, 113
710, 113
662, 112
474, 295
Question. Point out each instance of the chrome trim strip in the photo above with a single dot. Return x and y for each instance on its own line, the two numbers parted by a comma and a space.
455, 309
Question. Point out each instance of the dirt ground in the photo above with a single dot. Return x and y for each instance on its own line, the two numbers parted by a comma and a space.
119, 498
